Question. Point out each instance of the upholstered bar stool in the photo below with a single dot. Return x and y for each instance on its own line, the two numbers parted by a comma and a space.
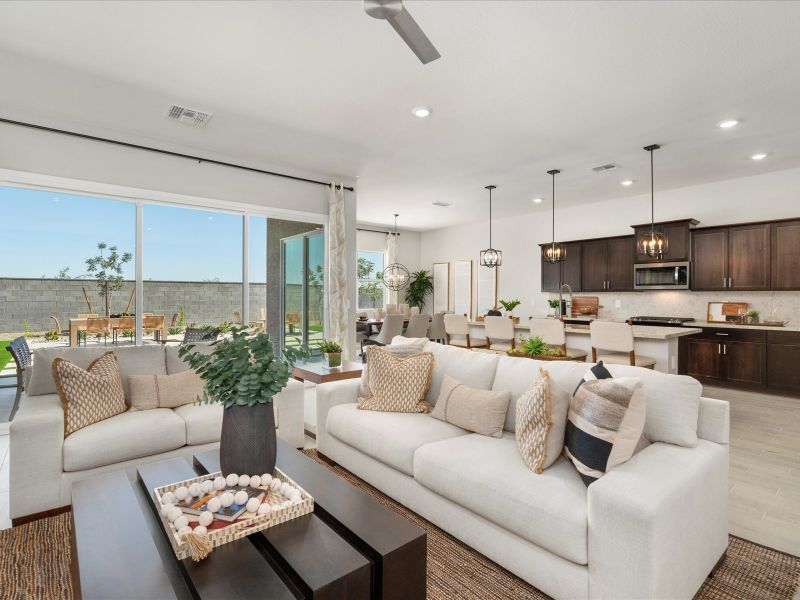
499, 333
613, 343
436, 330
458, 326
552, 333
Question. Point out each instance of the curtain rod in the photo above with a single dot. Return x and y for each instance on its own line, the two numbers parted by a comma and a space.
376, 231
199, 159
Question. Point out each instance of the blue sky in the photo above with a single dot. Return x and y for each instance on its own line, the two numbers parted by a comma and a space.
44, 232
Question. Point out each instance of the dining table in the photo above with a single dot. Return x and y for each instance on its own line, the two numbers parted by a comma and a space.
78, 324
377, 324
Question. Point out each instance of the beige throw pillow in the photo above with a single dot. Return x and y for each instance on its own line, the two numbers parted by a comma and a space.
89, 395
413, 346
540, 421
397, 384
473, 409
164, 391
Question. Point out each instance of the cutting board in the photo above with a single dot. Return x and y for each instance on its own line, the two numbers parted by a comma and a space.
590, 302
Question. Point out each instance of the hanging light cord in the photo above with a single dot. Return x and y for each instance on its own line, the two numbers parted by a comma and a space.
490, 217
652, 197
553, 245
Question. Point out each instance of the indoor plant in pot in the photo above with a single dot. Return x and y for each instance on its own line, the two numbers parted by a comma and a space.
331, 353
243, 373
510, 305
421, 285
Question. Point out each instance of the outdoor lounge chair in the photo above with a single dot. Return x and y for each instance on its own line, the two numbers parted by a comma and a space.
21, 353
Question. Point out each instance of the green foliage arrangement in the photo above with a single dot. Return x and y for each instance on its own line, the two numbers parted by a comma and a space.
535, 346
107, 270
26, 332
553, 303
510, 305
754, 316
420, 286
243, 369
51, 336
330, 346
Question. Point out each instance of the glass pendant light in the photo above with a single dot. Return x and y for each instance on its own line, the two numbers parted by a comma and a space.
490, 257
653, 244
396, 275
554, 253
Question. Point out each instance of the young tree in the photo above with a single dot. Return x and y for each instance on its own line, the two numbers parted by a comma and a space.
107, 270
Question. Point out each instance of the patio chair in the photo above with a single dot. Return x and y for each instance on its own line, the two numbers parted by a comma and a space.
122, 324
174, 321
87, 315
99, 326
200, 334
21, 353
153, 324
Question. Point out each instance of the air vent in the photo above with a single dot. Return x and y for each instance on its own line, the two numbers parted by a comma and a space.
604, 168
188, 116
440, 203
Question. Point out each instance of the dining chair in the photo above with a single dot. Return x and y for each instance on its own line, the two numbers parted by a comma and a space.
87, 315
553, 333
97, 326
499, 333
122, 324
391, 309
418, 326
458, 326
615, 341
392, 326
436, 329
414, 310
404, 309
153, 324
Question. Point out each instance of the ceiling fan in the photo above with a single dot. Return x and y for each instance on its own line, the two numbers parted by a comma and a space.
405, 25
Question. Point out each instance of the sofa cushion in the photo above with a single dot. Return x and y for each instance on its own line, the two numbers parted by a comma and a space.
203, 422
487, 476
176, 364
517, 374
124, 437
390, 438
541, 419
481, 411
132, 360
397, 384
475, 369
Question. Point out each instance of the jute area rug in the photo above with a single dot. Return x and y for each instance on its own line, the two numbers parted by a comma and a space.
34, 563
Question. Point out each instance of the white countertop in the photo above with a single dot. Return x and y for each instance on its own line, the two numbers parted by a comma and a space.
642, 332
789, 327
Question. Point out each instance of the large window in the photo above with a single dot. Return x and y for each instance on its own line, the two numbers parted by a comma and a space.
257, 261
370, 286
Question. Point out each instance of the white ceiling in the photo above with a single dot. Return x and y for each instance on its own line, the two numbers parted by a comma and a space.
521, 87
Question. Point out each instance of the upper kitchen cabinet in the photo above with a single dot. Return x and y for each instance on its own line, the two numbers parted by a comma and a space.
677, 234
607, 265
731, 258
567, 271
593, 266
785, 255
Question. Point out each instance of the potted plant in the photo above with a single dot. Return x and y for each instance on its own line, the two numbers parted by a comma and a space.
753, 316
421, 285
554, 304
510, 305
243, 373
331, 353
535, 347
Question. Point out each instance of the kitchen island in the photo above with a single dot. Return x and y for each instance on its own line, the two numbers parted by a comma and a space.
659, 343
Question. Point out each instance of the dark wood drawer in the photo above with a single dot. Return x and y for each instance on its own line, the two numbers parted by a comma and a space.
722, 334
791, 338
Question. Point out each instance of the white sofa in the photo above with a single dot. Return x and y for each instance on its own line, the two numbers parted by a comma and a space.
43, 464
654, 527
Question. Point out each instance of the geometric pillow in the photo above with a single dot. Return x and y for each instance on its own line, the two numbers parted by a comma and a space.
596, 372
90, 395
605, 421
401, 350
540, 421
397, 384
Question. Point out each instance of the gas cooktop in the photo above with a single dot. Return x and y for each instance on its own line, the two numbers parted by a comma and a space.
662, 321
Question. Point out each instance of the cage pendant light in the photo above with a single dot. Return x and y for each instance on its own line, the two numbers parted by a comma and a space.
552, 252
491, 257
653, 244
396, 275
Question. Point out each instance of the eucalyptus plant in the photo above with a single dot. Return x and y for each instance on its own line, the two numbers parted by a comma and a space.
243, 368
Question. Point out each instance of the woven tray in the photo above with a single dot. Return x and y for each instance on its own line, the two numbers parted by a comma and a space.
246, 524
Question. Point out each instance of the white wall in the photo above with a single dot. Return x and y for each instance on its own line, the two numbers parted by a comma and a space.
763, 197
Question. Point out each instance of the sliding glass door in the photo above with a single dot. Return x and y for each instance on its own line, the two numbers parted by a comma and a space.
303, 294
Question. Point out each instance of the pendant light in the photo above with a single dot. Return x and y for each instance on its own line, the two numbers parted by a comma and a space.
490, 257
554, 253
653, 244
395, 276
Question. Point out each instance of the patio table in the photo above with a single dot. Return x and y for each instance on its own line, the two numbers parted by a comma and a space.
79, 324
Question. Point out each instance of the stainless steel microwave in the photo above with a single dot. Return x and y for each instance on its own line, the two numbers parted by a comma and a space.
661, 276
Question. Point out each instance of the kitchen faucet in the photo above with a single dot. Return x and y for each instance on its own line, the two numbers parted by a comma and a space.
561, 304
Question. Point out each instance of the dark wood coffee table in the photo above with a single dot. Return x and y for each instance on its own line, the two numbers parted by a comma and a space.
351, 547
316, 373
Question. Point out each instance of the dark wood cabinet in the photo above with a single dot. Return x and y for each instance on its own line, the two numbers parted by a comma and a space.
709, 259
785, 255
551, 276
567, 271
620, 256
704, 359
748, 257
745, 362
734, 356
594, 259
677, 234
783, 360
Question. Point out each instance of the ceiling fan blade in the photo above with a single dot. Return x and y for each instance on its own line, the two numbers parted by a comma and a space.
405, 25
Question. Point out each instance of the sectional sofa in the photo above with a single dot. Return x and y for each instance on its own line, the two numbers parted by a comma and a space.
654, 527
44, 464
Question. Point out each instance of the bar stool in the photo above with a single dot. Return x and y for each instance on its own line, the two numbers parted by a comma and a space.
499, 333
552, 333
615, 340
457, 325
436, 330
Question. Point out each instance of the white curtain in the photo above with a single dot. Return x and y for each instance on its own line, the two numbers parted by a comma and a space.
338, 282
391, 258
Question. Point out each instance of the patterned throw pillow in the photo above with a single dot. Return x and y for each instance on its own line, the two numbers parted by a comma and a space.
406, 348
397, 384
90, 395
605, 422
473, 409
598, 371
540, 421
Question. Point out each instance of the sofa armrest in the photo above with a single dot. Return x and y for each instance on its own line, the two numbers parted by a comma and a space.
35, 455
658, 523
328, 396
290, 407
714, 421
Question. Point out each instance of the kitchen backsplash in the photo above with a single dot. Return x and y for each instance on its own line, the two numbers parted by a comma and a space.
772, 305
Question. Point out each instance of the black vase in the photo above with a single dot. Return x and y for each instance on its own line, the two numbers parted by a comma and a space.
247, 445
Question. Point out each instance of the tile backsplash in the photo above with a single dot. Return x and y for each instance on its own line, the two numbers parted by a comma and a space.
772, 305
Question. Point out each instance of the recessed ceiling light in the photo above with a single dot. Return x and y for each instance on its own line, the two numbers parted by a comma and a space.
626, 182
440, 203
422, 112
759, 156
537, 200
727, 124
